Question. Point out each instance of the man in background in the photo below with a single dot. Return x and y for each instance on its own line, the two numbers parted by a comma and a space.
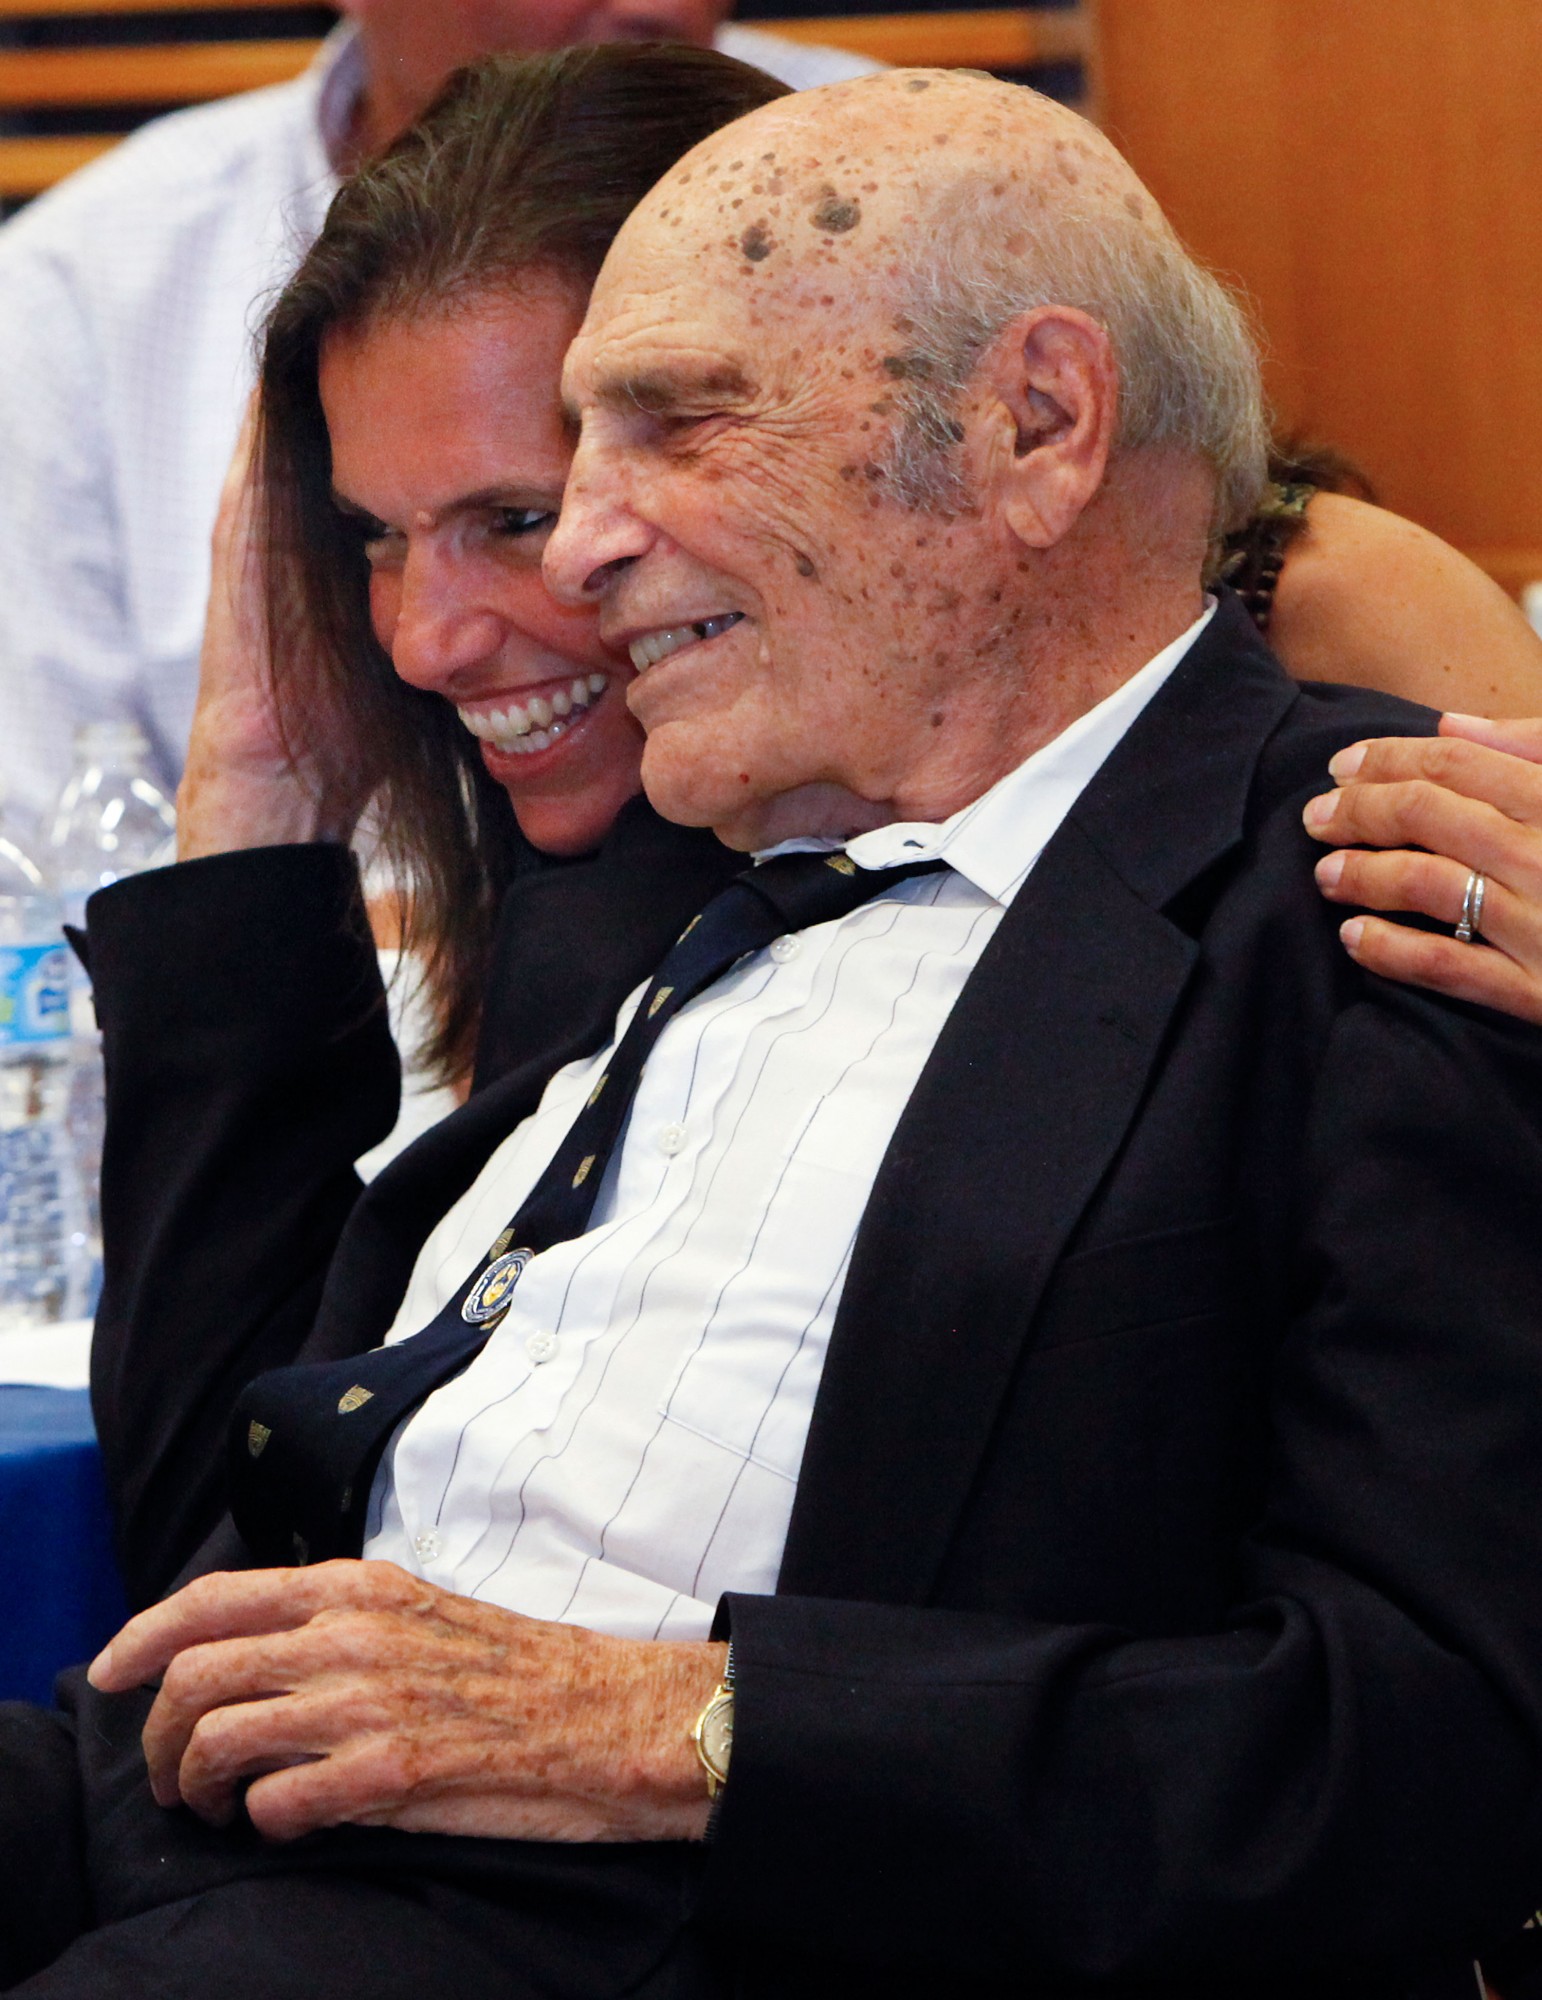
128, 302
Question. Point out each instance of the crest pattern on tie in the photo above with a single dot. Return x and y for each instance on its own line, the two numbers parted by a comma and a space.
323, 1426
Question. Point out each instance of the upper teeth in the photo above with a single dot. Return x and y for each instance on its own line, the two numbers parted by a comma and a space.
647, 652
532, 724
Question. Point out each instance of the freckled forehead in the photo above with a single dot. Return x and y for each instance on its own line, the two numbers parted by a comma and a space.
827, 190
803, 214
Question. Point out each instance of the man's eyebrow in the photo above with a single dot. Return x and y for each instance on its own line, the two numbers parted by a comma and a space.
661, 392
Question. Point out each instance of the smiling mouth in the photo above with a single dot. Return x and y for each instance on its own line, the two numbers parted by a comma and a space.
655, 646
522, 728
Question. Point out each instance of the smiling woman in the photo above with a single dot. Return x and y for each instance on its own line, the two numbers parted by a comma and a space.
448, 450
411, 458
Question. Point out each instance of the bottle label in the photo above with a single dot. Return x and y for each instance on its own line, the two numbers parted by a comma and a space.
34, 993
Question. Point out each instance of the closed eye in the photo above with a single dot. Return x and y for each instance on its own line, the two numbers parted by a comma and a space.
515, 522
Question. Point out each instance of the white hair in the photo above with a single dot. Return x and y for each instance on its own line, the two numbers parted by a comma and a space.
1186, 358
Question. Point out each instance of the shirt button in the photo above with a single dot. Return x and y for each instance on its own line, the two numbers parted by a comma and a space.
785, 948
427, 1545
671, 1140
542, 1346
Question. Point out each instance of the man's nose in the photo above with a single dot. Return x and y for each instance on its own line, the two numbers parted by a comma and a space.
443, 625
597, 536
659, 20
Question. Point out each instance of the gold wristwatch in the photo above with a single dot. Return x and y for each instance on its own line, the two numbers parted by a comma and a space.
714, 1731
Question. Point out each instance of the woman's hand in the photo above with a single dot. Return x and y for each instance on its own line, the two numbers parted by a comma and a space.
250, 779
1411, 819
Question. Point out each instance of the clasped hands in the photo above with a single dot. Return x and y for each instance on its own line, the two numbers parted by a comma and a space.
354, 1692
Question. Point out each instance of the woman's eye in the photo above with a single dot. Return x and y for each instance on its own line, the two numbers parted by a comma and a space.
516, 521
381, 546
374, 538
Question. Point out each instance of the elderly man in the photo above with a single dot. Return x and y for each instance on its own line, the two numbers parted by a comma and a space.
1010, 1273
128, 298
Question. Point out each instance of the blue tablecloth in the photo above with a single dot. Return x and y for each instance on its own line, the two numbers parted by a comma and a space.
59, 1592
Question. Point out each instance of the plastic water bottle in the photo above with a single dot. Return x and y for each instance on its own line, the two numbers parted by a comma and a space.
42, 1242
112, 820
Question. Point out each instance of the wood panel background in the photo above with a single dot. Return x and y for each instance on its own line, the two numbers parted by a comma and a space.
1371, 170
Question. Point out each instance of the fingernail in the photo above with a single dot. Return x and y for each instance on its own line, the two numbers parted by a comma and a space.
1465, 721
101, 1667
1317, 812
1329, 870
1351, 934
1347, 762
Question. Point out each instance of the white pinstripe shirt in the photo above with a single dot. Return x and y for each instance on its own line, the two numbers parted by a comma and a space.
626, 1446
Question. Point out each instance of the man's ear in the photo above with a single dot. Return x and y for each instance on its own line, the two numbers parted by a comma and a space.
1045, 421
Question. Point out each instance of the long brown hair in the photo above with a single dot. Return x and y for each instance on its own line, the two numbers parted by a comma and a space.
524, 164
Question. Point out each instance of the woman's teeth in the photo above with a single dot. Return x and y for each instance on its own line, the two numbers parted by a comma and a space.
659, 645
524, 727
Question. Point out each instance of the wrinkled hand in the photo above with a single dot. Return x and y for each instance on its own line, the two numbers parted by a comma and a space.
354, 1692
250, 779
1438, 807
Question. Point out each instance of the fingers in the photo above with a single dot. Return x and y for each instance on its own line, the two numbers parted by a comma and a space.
206, 1687
230, 1706
240, 1604
367, 1782
1477, 769
1416, 813
254, 1739
1428, 885
1479, 974
1521, 739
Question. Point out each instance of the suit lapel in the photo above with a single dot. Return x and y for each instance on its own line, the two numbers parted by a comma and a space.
1026, 1099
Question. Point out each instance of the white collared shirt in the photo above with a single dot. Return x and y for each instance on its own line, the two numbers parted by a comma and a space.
130, 296
626, 1446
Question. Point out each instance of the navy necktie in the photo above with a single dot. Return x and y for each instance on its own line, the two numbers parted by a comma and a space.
306, 1441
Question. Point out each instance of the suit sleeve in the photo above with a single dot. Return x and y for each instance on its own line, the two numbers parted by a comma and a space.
1350, 1759
249, 1063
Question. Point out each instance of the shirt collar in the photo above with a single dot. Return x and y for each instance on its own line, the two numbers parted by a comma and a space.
994, 842
337, 74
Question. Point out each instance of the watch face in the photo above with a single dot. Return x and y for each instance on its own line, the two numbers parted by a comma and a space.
717, 1734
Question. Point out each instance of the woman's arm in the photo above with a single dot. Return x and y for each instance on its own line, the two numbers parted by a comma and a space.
1371, 599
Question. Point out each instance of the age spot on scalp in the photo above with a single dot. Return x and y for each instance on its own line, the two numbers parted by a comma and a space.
836, 215
803, 566
755, 243
918, 83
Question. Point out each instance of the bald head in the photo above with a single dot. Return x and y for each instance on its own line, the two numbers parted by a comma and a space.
901, 441
855, 171
937, 205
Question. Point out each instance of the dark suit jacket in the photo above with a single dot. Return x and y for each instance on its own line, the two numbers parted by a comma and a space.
1162, 1605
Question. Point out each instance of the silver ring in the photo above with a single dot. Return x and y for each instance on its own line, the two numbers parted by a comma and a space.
1470, 923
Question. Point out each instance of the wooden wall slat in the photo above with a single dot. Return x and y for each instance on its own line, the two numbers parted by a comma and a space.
41, 9
190, 73
985, 38
176, 73
1372, 173
27, 166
